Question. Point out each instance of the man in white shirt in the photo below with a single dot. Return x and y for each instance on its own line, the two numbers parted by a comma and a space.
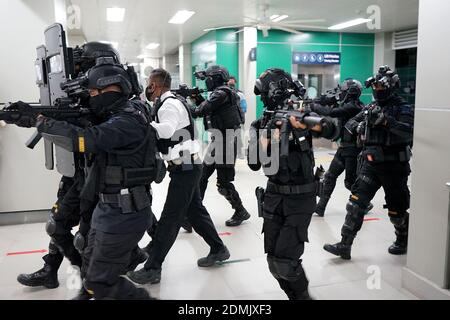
177, 144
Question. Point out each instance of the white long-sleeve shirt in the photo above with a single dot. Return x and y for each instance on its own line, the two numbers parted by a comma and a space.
172, 117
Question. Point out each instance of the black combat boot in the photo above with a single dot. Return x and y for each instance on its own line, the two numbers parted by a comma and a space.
83, 295
399, 247
46, 277
138, 256
239, 216
341, 249
322, 205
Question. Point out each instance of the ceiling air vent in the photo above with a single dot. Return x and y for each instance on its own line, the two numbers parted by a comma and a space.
405, 39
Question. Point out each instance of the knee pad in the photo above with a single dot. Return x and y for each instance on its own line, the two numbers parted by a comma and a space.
286, 269
355, 210
353, 220
79, 242
51, 227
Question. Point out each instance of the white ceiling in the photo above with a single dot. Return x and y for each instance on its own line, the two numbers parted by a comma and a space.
146, 21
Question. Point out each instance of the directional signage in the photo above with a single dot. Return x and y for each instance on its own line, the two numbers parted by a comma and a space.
316, 58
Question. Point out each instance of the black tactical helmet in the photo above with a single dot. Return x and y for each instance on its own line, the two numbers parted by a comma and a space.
350, 89
384, 83
214, 77
275, 86
86, 55
106, 73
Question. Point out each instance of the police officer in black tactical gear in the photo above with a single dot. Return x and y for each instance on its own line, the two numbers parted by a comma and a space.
179, 147
222, 112
71, 209
385, 129
290, 198
346, 159
124, 146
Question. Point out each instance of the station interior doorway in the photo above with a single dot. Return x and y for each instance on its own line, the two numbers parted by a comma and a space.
317, 79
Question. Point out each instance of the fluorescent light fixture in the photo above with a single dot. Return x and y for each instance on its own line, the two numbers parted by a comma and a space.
152, 46
278, 19
115, 14
181, 17
134, 64
349, 24
274, 16
142, 56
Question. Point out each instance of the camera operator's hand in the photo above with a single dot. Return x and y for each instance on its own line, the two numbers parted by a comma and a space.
28, 115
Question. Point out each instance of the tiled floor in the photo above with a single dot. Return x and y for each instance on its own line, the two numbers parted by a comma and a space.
247, 276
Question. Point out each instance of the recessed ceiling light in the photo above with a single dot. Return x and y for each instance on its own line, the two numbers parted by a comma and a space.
142, 56
278, 19
349, 24
134, 64
115, 14
274, 16
181, 17
152, 46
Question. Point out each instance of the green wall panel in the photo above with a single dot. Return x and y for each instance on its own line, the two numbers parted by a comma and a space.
272, 56
307, 37
357, 52
357, 62
358, 38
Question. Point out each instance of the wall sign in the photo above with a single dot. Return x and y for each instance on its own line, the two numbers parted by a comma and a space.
316, 58
252, 54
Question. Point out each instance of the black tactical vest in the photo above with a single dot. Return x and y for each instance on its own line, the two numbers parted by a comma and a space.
165, 144
114, 171
230, 115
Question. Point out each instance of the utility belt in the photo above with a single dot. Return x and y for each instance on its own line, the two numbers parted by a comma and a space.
129, 200
376, 154
179, 164
286, 189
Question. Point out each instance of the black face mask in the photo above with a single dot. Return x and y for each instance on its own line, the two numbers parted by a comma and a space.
210, 84
102, 103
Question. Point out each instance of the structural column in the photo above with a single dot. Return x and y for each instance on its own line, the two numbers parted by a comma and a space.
427, 272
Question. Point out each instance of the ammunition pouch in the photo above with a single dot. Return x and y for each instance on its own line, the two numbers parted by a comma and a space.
129, 200
118, 176
376, 154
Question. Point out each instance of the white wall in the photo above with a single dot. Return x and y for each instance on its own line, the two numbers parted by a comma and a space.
25, 184
383, 53
185, 60
247, 71
427, 268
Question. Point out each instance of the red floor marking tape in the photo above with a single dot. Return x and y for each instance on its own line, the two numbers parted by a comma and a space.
372, 219
26, 252
225, 234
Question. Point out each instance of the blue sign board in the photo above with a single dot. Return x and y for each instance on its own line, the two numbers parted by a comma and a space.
316, 58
